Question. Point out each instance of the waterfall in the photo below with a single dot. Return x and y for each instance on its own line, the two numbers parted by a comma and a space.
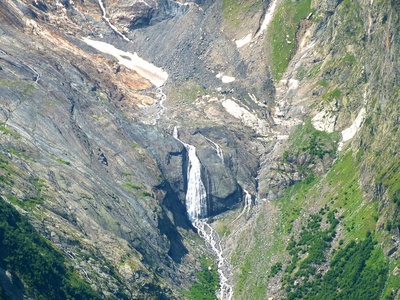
196, 206
217, 148
196, 195
246, 206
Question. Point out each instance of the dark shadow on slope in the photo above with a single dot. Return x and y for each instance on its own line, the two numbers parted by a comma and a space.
177, 249
166, 226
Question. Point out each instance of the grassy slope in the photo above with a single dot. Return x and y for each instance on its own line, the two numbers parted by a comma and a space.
282, 32
337, 192
208, 282
362, 187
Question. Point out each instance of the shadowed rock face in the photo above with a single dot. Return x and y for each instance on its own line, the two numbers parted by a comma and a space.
112, 185
143, 14
70, 121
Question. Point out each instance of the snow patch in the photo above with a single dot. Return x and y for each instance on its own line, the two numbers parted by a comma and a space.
155, 75
268, 17
244, 41
248, 119
324, 121
351, 131
293, 84
224, 78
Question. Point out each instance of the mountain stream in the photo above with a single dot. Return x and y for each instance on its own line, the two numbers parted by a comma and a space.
196, 206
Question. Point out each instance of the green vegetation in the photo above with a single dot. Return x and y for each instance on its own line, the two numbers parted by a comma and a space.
267, 244
323, 83
19, 153
282, 33
393, 282
275, 269
146, 194
353, 25
389, 179
208, 282
314, 70
135, 145
30, 203
349, 59
245, 269
6, 172
234, 10
26, 204
335, 94
131, 186
352, 269
7, 131
22, 88
188, 91
358, 271
306, 139
61, 161
25, 253
308, 252
358, 216
292, 202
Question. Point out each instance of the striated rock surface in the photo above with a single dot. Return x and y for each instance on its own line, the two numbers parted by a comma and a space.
90, 93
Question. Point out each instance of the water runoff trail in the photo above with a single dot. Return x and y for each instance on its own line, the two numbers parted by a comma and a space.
124, 37
196, 195
196, 205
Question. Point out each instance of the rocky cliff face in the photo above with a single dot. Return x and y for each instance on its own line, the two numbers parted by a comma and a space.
271, 94
82, 156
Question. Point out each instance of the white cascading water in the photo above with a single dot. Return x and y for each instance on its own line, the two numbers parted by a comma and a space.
196, 195
247, 205
196, 205
163, 108
211, 237
103, 9
217, 148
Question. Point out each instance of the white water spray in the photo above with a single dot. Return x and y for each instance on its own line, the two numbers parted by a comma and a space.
196, 195
163, 108
211, 237
247, 205
196, 205
217, 148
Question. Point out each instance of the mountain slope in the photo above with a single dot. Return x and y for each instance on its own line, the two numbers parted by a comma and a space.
292, 109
